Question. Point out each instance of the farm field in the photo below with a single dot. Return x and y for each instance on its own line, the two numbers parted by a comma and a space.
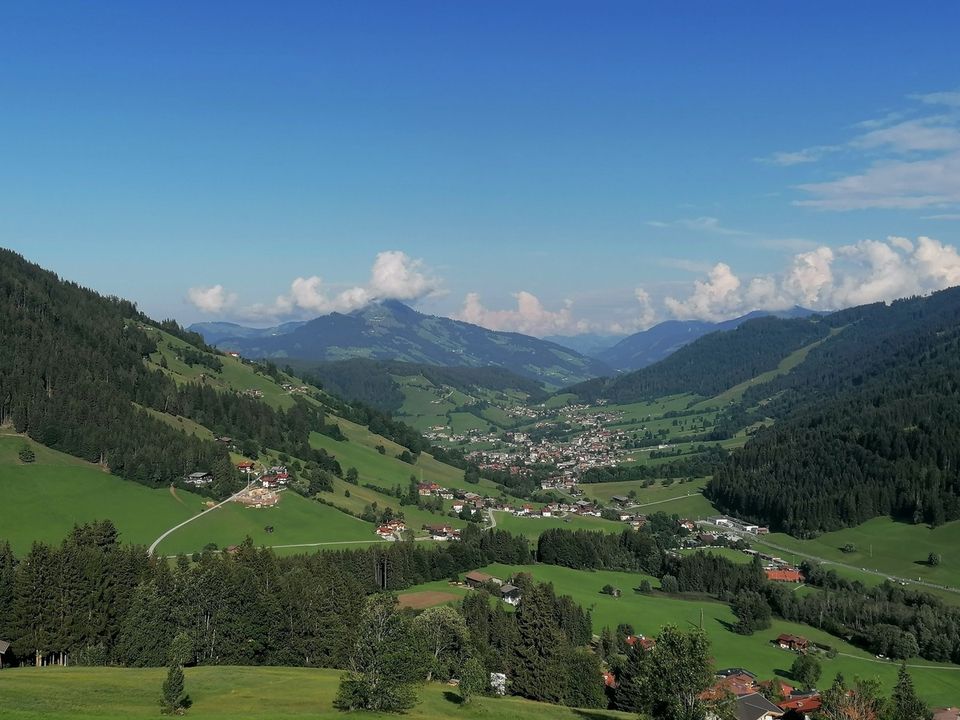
360, 497
648, 613
386, 470
655, 493
43, 500
295, 519
695, 507
890, 547
533, 527
231, 693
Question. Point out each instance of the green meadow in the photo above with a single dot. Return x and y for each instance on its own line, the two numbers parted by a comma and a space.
43, 500
658, 492
233, 693
888, 546
648, 613
533, 527
295, 521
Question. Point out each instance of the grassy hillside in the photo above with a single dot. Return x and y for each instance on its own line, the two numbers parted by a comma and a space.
648, 613
44, 499
231, 693
295, 519
891, 547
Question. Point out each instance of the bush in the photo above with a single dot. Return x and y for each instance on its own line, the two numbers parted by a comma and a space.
669, 584
26, 455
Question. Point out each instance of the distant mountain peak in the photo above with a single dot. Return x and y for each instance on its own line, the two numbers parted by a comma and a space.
391, 330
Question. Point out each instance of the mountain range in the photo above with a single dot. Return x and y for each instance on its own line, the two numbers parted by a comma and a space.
390, 330
650, 346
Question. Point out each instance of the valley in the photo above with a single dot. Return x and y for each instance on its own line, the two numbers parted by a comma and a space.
400, 475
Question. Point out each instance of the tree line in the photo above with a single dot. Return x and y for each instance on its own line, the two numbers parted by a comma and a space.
866, 426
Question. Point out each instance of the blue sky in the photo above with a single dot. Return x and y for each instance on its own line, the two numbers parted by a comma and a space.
541, 166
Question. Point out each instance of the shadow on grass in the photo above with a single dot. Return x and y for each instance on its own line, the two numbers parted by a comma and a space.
452, 697
592, 714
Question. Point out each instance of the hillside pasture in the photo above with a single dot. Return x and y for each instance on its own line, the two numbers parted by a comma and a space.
233, 693
648, 613
888, 546
295, 521
44, 499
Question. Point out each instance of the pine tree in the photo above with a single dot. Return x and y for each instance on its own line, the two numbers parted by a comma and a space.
173, 700
905, 705
537, 644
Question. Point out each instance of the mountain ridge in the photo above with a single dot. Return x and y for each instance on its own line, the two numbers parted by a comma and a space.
392, 331
647, 347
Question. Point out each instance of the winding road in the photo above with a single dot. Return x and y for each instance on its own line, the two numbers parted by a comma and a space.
153, 545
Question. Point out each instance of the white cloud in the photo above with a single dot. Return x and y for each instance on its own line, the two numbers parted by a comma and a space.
921, 134
212, 299
950, 99
826, 279
701, 224
713, 299
394, 276
907, 164
942, 216
530, 317
799, 157
891, 184
648, 313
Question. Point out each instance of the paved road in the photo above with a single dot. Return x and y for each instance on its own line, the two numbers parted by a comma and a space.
160, 539
493, 519
954, 668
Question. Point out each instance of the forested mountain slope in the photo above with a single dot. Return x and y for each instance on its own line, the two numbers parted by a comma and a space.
713, 363
86, 375
868, 425
373, 382
662, 340
390, 330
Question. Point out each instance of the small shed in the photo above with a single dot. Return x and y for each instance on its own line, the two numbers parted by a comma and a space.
4, 646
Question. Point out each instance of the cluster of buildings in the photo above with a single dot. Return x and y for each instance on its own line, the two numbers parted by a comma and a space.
391, 530
751, 695
593, 443
735, 525
508, 592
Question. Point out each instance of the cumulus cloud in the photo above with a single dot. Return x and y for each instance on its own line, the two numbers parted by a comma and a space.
712, 299
529, 317
826, 279
394, 276
212, 299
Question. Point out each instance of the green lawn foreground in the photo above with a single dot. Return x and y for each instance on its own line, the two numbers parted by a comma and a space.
234, 693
